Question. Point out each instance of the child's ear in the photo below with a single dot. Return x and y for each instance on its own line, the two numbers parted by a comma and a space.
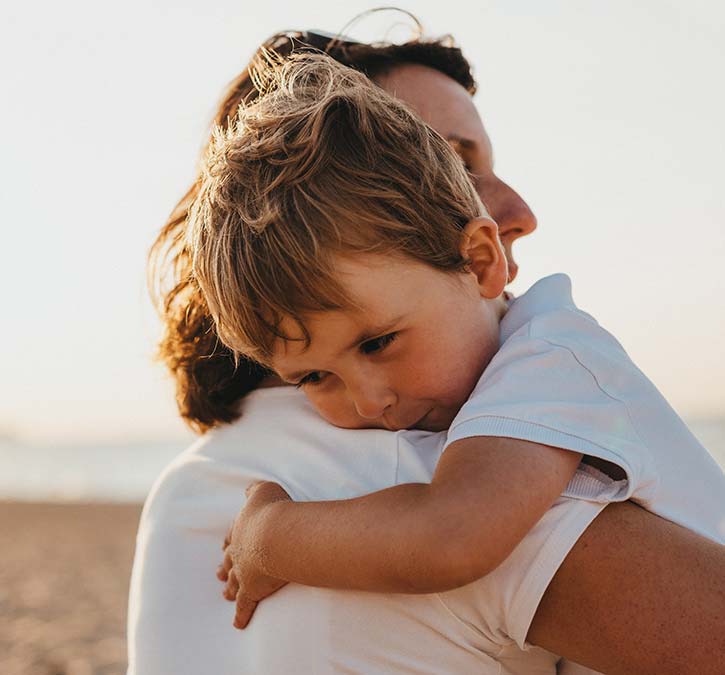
481, 246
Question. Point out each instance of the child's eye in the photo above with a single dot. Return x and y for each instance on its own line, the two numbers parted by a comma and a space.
377, 344
312, 378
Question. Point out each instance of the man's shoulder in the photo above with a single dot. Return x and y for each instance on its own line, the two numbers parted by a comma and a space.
280, 437
228, 454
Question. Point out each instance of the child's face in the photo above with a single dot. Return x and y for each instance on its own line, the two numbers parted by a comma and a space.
409, 357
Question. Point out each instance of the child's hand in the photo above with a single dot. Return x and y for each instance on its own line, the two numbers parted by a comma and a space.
241, 570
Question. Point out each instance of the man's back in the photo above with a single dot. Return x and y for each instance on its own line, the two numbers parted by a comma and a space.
179, 623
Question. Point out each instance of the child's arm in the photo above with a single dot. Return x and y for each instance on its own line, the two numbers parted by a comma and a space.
485, 495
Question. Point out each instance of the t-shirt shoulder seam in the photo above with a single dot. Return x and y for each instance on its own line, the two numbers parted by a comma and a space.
599, 385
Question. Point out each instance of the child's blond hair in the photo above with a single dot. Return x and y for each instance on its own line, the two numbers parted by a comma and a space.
323, 163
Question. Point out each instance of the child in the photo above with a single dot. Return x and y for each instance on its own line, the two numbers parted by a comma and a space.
338, 241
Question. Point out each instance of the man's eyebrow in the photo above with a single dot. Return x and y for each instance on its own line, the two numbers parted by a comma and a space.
464, 143
364, 335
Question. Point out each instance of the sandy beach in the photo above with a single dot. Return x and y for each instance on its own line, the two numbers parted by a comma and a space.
63, 587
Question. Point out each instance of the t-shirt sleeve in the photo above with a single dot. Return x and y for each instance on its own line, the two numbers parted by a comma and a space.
548, 393
503, 603
524, 576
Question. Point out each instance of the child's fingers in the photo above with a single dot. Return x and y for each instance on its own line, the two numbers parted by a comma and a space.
251, 487
245, 609
222, 571
231, 590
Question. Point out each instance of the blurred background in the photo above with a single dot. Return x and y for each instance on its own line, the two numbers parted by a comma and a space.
606, 117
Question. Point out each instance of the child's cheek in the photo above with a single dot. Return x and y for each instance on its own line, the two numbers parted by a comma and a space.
337, 409
429, 368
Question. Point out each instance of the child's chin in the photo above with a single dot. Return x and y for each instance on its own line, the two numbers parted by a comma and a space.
433, 421
356, 424
431, 427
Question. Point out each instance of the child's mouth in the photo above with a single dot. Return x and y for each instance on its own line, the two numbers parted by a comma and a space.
394, 425
422, 422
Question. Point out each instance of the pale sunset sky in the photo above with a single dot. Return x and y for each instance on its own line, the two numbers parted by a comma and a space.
608, 117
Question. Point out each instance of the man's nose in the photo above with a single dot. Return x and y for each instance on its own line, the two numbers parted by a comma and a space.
506, 206
372, 399
513, 215
515, 218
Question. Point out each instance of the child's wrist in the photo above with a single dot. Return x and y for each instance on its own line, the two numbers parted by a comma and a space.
269, 536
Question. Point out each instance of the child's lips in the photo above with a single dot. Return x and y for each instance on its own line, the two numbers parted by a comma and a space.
395, 426
436, 419
421, 422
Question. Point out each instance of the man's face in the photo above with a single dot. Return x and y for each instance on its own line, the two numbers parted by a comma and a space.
447, 107
407, 356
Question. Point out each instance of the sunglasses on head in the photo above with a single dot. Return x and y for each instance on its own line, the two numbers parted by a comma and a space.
315, 39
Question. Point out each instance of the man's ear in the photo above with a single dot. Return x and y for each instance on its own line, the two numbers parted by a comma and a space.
481, 246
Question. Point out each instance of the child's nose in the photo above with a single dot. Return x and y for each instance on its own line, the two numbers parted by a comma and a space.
371, 401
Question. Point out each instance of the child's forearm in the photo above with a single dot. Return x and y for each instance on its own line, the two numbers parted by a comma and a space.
389, 541
486, 494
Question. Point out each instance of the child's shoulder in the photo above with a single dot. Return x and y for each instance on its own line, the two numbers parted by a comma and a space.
547, 313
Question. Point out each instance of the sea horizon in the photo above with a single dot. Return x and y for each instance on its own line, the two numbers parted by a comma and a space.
118, 472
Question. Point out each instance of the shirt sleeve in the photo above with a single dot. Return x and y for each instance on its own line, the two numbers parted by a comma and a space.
539, 391
503, 604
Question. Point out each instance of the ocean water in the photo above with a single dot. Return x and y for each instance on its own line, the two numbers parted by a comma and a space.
82, 473
125, 473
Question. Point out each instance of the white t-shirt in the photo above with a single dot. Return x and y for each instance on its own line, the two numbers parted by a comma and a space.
560, 379
179, 624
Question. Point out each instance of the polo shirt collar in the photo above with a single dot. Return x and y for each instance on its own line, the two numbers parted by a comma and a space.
546, 295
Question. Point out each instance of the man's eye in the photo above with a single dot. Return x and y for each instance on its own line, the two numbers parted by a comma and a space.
312, 378
475, 177
377, 344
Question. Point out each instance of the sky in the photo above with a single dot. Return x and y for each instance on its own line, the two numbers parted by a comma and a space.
606, 117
